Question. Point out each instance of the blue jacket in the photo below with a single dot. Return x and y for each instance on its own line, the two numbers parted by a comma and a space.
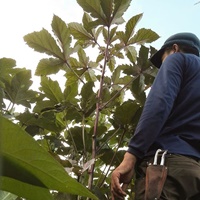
171, 116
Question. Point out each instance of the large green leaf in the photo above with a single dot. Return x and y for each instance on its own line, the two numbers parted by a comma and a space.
120, 7
144, 36
28, 159
131, 53
6, 66
107, 7
43, 42
124, 114
143, 59
71, 92
86, 22
79, 32
31, 192
7, 196
1, 98
83, 59
137, 89
62, 32
49, 66
52, 90
130, 26
88, 100
48, 120
94, 8
18, 91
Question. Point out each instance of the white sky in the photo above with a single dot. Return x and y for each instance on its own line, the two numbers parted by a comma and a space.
20, 17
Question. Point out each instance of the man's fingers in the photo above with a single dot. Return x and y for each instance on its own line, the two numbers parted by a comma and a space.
118, 195
118, 191
124, 187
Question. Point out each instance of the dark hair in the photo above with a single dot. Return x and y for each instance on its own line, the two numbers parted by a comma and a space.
184, 49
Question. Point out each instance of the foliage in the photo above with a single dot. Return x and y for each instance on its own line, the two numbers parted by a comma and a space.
85, 123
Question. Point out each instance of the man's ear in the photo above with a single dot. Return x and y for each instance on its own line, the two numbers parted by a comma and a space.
176, 48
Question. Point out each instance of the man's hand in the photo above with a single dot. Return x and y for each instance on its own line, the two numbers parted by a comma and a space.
122, 176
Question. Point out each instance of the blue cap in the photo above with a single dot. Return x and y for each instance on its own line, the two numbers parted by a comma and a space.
187, 39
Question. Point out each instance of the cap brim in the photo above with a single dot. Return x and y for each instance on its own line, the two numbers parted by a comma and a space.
156, 59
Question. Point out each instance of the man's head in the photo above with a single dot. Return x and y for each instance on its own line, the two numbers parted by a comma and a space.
180, 42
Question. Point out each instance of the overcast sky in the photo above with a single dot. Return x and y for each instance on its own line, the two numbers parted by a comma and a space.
20, 17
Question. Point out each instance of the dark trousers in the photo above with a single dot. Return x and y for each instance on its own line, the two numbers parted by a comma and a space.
183, 179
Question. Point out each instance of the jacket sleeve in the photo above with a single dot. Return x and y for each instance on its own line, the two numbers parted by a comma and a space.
158, 105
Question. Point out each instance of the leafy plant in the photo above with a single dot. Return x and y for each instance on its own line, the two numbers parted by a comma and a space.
85, 123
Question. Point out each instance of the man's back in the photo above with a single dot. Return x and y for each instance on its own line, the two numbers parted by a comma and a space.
180, 133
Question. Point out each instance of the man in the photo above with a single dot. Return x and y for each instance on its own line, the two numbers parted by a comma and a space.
170, 121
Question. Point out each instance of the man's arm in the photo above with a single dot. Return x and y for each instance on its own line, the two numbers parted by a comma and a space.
122, 176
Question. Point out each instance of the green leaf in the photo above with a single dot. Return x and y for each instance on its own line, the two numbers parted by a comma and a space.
76, 133
124, 114
63, 33
111, 64
74, 76
52, 90
6, 195
121, 35
43, 42
18, 90
48, 119
71, 92
1, 98
90, 74
118, 21
112, 34
144, 36
74, 114
107, 7
137, 89
116, 74
48, 66
79, 32
7, 63
130, 26
88, 100
87, 91
133, 70
131, 53
94, 8
120, 7
32, 160
74, 63
143, 59
22, 189
41, 105
100, 57
87, 23
6, 66
83, 58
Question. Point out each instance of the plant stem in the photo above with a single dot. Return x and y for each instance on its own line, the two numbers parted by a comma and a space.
83, 138
98, 109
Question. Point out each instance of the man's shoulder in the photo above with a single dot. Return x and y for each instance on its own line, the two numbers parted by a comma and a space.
180, 57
